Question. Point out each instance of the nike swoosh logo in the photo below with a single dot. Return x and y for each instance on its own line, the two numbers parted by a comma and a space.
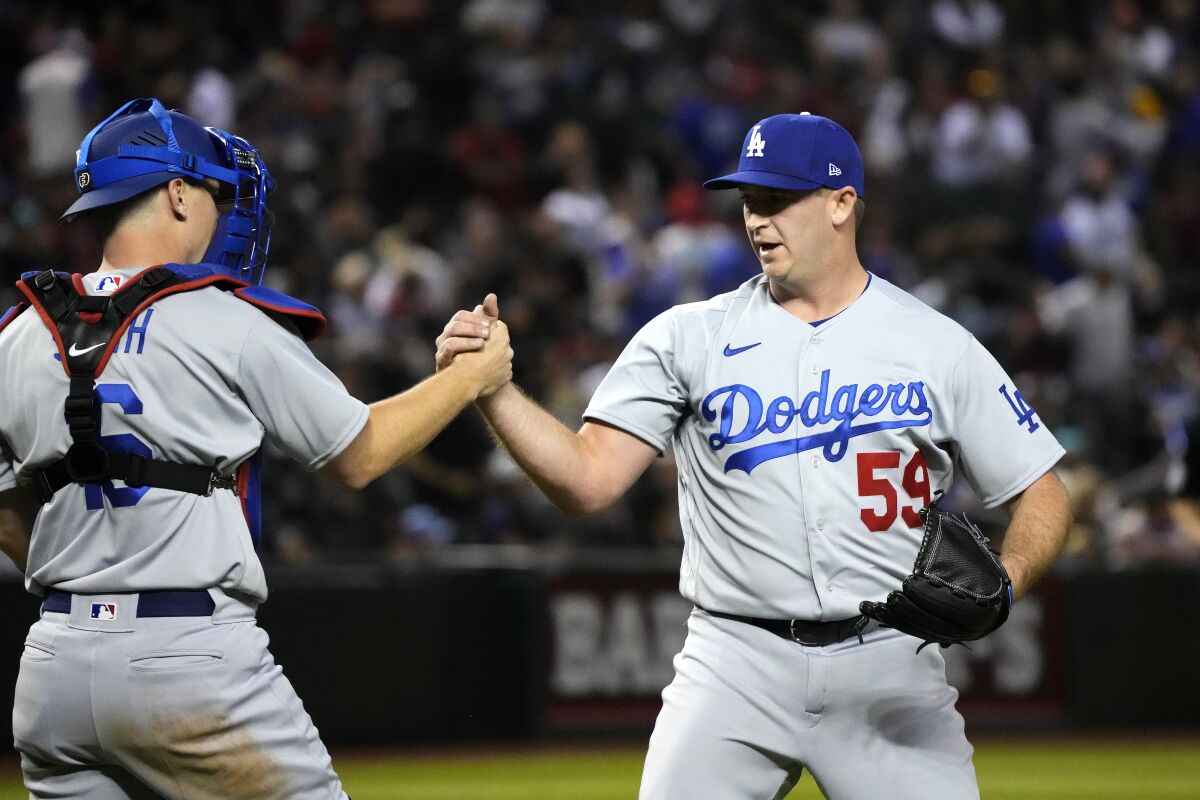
733, 351
74, 351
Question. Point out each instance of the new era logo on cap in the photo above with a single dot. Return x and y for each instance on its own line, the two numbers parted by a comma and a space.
104, 611
807, 152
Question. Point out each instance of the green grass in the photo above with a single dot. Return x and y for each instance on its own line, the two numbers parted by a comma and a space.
1130, 771
1032, 771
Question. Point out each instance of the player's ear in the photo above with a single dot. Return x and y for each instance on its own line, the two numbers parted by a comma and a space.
841, 203
177, 196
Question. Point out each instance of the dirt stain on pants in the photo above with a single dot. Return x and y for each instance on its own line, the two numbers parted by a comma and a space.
203, 757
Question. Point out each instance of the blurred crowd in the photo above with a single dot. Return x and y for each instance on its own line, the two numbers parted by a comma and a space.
1033, 170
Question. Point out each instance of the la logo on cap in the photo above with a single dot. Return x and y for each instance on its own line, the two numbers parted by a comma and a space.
757, 143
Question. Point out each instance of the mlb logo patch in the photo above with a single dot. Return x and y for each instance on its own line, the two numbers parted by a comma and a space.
104, 611
109, 283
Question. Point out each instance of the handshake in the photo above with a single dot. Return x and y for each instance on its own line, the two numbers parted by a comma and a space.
477, 342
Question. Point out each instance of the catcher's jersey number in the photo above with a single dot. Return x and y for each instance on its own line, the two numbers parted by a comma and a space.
877, 474
123, 396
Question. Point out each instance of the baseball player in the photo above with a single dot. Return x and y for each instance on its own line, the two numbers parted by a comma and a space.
133, 404
813, 413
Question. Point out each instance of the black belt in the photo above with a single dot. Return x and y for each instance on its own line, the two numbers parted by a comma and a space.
156, 603
812, 634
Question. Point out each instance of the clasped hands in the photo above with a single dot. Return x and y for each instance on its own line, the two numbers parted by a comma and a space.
479, 341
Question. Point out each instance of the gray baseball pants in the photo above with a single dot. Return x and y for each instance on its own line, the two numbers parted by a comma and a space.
129, 708
748, 711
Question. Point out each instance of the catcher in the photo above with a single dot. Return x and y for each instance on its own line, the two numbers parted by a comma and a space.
133, 405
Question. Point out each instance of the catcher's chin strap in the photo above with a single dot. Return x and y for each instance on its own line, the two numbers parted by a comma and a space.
90, 325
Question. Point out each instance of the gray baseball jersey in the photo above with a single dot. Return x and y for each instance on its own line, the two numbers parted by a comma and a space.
199, 377
111, 703
804, 452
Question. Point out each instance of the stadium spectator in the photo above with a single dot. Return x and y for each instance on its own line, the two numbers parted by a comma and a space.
1041, 187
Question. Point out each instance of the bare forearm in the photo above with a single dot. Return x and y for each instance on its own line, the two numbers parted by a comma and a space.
403, 424
1037, 532
550, 453
579, 471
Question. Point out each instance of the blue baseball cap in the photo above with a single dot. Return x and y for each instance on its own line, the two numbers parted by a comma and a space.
796, 151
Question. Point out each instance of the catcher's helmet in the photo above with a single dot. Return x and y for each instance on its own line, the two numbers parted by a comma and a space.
143, 145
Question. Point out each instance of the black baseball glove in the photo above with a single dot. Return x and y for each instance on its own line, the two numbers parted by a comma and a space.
958, 590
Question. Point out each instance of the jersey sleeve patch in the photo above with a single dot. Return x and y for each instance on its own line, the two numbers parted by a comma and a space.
309, 319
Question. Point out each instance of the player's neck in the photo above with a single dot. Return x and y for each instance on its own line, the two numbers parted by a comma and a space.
823, 295
133, 249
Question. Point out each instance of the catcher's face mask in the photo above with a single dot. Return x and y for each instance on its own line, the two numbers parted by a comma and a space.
142, 145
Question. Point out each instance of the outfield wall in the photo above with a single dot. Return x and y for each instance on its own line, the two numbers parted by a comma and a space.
488, 644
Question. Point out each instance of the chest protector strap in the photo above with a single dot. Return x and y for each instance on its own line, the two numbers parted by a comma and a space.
91, 326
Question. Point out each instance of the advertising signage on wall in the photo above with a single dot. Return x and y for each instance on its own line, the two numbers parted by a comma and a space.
613, 637
1017, 674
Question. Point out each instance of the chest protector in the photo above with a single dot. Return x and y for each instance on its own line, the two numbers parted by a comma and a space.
92, 326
